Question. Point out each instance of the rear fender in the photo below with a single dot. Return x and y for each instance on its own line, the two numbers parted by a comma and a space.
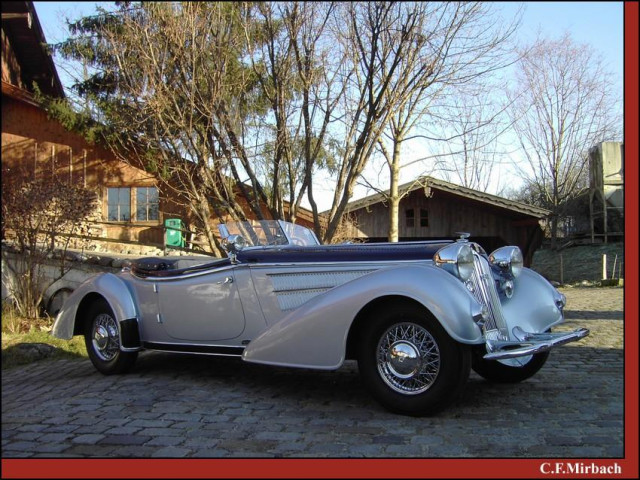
315, 334
114, 290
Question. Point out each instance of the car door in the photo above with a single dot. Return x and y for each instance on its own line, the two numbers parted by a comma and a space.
201, 308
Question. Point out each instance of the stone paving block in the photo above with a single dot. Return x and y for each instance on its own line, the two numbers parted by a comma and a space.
156, 432
57, 447
211, 453
19, 446
154, 423
165, 441
21, 454
88, 439
91, 451
134, 451
366, 451
182, 417
279, 436
25, 436
289, 449
54, 437
186, 426
199, 443
98, 428
171, 452
124, 440
122, 430
60, 429
403, 451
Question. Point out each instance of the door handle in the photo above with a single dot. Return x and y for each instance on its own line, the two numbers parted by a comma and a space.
225, 281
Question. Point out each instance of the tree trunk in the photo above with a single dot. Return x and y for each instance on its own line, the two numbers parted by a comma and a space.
394, 196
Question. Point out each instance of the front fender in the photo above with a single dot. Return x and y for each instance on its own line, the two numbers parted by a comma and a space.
315, 334
111, 287
534, 305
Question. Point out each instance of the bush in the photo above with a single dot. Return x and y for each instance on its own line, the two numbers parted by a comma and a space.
41, 216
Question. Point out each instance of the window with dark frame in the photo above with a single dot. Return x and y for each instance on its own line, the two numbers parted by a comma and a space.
410, 217
146, 204
424, 217
119, 204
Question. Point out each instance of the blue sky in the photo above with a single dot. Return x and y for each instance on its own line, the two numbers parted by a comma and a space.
599, 24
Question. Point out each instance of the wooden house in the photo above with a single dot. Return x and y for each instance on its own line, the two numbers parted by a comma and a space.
435, 209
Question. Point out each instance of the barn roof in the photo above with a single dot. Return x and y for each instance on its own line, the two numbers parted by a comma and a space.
427, 182
21, 25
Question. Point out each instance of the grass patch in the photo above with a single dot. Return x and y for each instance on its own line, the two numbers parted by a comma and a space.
14, 352
26, 340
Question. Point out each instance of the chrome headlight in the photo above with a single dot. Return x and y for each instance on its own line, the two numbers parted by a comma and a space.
457, 259
507, 260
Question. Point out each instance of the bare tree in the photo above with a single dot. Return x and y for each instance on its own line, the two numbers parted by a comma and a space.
455, 46
382, 39
562, 106
297, 71
474, 125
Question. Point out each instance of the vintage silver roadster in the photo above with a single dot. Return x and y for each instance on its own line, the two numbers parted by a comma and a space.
416, 316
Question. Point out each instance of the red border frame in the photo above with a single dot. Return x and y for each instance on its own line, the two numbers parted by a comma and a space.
413, 468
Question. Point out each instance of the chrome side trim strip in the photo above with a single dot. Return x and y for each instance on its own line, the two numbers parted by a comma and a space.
228, 351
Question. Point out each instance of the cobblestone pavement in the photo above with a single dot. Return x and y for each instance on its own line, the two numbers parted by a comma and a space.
188, 406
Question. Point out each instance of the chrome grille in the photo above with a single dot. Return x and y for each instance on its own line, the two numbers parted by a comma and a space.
483, 288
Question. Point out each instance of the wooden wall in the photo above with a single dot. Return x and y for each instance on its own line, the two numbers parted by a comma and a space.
489, 225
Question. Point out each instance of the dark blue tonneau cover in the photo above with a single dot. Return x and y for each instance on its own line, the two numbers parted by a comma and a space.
370, 252
165, 267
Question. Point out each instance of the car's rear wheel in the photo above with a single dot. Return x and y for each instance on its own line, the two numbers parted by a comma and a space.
512, 370
102, 339
409, 363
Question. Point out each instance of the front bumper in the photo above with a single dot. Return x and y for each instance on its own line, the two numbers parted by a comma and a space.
530, 343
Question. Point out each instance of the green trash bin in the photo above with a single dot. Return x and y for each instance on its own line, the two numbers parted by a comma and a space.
173, 234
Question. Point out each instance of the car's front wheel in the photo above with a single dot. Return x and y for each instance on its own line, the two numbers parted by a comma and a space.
102, 339
410, 364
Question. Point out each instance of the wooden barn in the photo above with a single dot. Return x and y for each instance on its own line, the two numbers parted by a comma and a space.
434, 209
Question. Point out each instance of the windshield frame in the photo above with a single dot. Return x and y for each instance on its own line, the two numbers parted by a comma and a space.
268, 233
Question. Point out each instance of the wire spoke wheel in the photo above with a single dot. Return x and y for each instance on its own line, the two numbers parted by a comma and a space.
409, 362
105, 340
102, 339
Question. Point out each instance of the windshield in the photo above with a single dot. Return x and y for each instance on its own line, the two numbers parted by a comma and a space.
269, 232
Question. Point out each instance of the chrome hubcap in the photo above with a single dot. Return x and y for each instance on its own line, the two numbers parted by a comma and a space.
403, 359
105, 339
408, 358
